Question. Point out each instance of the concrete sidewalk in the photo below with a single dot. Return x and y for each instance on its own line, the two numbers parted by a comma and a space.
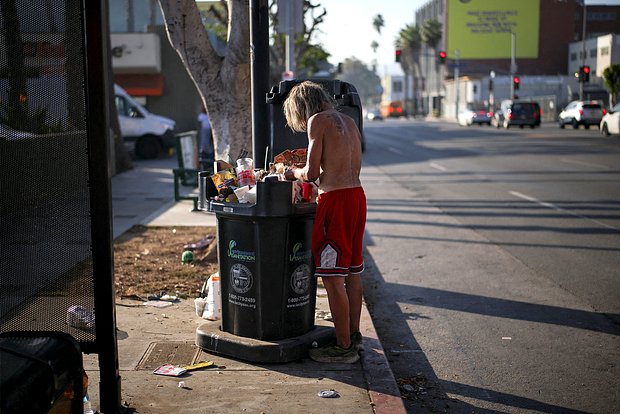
149, 337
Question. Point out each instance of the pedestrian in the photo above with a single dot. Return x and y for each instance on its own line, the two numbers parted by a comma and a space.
334, 157
205, 139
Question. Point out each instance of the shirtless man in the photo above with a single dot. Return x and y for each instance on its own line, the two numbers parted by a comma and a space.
335, 158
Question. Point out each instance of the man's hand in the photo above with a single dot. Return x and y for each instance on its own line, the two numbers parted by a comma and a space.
289, 174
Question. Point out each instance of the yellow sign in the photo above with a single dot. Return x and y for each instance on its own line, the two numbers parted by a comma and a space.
481, 29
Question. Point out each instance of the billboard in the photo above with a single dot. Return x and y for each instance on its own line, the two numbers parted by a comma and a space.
481, 29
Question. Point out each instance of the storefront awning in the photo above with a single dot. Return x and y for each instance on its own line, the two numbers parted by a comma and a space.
141, 84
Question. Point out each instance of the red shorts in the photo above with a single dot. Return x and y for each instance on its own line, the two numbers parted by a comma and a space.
338, 232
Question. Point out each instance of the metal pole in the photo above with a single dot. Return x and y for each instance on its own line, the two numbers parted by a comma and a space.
259, 65
290, 51
513, 63
95, 21
583, 48
491, 91
456, 82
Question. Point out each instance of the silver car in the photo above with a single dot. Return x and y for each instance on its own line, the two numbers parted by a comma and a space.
584, 113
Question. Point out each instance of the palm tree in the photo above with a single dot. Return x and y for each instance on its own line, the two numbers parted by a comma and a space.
378, 23
374, 46
410, 42
431, 33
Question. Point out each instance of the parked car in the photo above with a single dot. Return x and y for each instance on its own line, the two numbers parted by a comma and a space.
584, 113
610, 123
392, 109
472, 116
144, 133
374, 115
517, 113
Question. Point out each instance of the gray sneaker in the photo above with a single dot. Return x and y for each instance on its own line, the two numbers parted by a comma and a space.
356, 341
333, 353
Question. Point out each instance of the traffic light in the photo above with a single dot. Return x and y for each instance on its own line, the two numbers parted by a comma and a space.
586, 74
516, 82
441, 58
397, 55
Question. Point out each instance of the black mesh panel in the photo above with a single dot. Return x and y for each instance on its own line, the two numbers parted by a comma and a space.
45, 244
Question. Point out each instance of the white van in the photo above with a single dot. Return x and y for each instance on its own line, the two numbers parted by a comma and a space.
144, 133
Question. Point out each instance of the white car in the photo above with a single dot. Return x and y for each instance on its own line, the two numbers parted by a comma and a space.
584, 113
610, 124
144, 132
472, 116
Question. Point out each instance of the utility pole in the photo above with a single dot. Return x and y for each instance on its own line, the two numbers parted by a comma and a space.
513, 63
583, 49
290, 23
456, 82
491, 92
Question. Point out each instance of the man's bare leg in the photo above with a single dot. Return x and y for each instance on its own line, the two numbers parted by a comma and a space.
339, 307
355, 293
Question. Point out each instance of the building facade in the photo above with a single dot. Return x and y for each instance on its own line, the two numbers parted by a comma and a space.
560, 27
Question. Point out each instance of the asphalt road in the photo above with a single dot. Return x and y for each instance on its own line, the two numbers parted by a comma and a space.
498, 258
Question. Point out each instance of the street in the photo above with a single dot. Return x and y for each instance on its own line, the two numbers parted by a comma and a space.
496, 282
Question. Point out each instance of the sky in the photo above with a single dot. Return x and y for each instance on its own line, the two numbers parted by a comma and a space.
348, 29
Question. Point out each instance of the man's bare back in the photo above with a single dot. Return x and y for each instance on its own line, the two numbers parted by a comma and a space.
335, 144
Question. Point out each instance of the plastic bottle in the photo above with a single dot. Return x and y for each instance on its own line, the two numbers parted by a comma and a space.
245, 172
88, 409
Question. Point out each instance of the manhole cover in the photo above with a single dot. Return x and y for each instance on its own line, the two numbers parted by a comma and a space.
160, 353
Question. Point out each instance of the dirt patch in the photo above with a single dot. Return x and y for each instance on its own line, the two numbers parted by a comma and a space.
148, 261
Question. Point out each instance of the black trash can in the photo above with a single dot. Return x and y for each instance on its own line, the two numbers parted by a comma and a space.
266, 269
283, 137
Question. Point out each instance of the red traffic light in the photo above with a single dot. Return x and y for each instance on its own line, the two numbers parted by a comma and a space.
586, 69
441, 57
397, 55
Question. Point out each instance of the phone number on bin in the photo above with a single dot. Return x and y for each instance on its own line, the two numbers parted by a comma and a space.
242, 301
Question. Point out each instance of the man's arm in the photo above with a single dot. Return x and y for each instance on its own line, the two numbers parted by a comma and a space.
312, 169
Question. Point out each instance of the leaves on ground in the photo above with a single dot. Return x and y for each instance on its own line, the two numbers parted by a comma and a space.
147, 261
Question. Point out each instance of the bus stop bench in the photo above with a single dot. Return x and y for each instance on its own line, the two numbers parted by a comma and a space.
41, 372
190, 165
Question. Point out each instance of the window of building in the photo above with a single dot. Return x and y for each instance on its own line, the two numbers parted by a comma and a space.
601, 16
397, 86
593, 53
573, 57
605, 51
133, 15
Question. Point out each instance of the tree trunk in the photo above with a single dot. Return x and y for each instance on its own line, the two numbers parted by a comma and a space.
223, 82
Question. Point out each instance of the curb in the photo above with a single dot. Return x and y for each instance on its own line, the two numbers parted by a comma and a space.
382, 388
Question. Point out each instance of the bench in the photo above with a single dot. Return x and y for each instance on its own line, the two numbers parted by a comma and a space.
189, 166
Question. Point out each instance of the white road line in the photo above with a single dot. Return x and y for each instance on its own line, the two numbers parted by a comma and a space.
554, 207
587, 164
437, 166
394, 150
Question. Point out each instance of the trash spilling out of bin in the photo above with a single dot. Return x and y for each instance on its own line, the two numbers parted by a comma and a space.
239, 184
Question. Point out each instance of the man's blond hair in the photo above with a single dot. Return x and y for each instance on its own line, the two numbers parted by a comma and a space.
304, 100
